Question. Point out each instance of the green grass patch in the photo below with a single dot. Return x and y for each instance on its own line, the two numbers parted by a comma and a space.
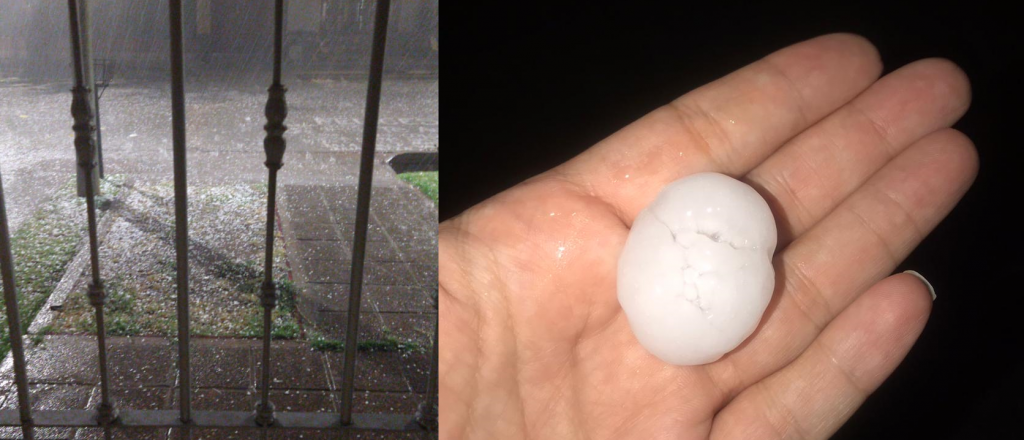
388, 343
324, 344
120, 311
286, 293
43, 246
425, 181
284, 328
38, 337
283, 323
226, 270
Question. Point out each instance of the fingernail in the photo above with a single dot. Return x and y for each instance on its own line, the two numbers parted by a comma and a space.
923, 280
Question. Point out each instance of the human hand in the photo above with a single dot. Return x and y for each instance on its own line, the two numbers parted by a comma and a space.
857, 170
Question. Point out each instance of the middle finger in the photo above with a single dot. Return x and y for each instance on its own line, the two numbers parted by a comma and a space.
809, 176
861, 242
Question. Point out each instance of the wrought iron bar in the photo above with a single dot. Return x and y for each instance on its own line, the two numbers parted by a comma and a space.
274, 146
278, 38
104, 83
13, 318
80, 111
427, 414
180, 206
89, 65
99, 138
82, 46
380, 30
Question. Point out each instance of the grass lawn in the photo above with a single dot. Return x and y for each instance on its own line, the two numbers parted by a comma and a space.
425, 181
44, 245
226, 239
225, 253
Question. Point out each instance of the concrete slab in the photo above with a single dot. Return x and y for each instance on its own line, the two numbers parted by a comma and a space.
401, 257
123, 434
375, 371
377, 272
217, 434
63, 360
70, 359
414, 327
49, 397
141, 361
289, 434
416, 367
386, 402
52, 396
333, 298
294, 365
221, 399
296, 400
136, 398
334, 326
223, 363
341, 250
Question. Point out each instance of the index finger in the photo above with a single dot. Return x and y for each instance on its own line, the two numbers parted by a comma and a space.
727, 126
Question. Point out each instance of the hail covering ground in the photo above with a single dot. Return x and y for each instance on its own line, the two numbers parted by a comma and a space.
227, 215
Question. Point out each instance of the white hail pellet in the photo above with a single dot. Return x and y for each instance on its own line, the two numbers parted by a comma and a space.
696, 272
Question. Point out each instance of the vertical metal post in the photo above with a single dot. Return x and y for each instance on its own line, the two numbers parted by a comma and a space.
380, 30
94, 97
274, 146
85, 149
13, 318
96, 109
427, 414
180, 205
85, 49
99, 138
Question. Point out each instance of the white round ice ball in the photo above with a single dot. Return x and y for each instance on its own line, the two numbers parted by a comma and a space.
696, 272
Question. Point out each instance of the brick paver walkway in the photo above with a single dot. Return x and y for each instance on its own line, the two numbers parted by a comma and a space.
317, 223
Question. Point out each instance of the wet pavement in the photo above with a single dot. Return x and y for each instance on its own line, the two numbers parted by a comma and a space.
224, 129
316, 212
400, 272
144, 376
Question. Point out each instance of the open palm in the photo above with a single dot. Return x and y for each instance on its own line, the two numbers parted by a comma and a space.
856, 169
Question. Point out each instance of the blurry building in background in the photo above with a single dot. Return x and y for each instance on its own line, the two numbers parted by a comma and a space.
220, 35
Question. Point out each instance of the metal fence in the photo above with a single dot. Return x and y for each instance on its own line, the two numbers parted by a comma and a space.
105, 415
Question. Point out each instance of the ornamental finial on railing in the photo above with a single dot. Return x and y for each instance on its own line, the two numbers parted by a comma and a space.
274, 146
268, 294
276, 111
97, 294
83, 126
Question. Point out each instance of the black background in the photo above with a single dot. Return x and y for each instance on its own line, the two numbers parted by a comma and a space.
528, 86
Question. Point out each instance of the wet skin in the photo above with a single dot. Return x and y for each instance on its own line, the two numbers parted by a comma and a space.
857, 170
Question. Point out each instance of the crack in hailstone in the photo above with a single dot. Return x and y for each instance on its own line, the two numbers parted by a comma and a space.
713, 236
716, 237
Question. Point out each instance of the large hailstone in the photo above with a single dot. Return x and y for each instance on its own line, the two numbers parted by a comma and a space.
696, 273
